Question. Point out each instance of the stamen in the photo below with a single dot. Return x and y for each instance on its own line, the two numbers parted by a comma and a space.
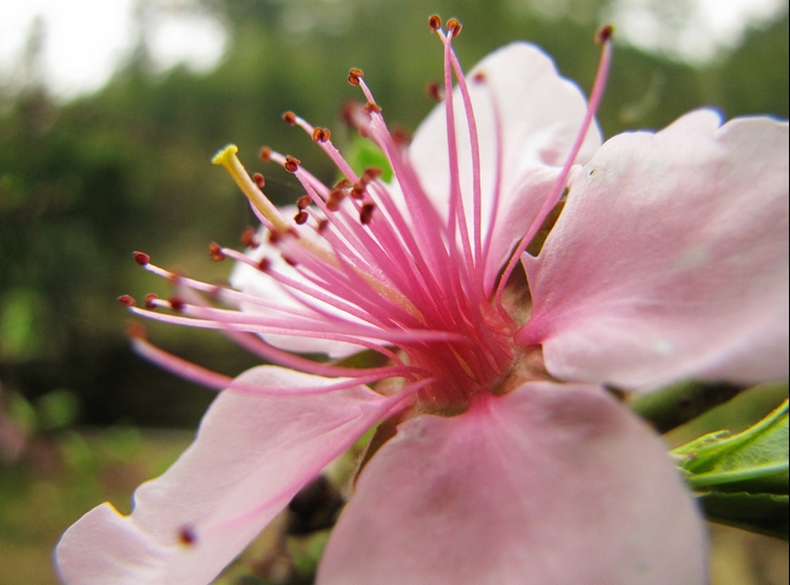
354, 76
559, 185
127, 301
142, 258
435, 23
215, 251
259, 180
290, 118
187, 536
366, 213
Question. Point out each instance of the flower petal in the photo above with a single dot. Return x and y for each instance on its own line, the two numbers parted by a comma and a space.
670, 259
251, 455
548, 484
527, 120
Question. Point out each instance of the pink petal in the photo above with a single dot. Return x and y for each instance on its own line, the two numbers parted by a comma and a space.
540, 114
549, 484
251, 455
670, 259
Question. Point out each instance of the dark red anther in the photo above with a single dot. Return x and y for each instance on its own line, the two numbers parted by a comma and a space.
149, 301
322, 225
177, 304
274, 236
354, 76
434, 91
604, 34
303, 202
435, 23
142, 258
290, 261
215, 251
372, 108
264, 264
301, 217
127, 300
136, 331
187, 536
454, 27
248, 238
265, 154
335, 197
290, 118
366, 213
291, 163
370, 175
400, 137
321, 134
479, 77
342, 184
259, 180
358, 191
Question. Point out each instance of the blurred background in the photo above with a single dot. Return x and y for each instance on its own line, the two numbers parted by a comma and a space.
110, 111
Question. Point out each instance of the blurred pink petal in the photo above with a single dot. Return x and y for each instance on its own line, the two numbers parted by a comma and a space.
548, 484
670, 259
251, 455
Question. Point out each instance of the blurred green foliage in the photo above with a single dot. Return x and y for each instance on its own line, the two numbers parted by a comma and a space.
84, 183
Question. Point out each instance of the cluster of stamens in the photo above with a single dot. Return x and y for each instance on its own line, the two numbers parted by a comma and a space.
363, 269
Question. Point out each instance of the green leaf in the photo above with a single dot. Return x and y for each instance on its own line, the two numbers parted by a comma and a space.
363, 154
742, 479
761, 513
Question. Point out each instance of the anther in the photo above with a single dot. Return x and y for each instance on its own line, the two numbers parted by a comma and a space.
303, 202
248, 238
290, 118
372, 108
177, 304
136, 331
321, 134
259, 180
366, 213
215, 251
342, 184
265, 154
400, 137
264, 264
290, 261
291, 164
354, 75
301, 217
142, 258
358, 191
479, 77
604, 34
149, 301
434, 91
370, 175
435, 23
187, 536
274, 236
322, 225
127, 300
454, 27
335, 197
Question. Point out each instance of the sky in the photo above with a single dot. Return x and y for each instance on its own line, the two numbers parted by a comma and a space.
84, 40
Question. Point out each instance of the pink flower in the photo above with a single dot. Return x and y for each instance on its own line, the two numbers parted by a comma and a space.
501, 457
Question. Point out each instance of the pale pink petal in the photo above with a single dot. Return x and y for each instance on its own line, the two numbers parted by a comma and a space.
251, 455
539, 116
549, 484
670, 259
